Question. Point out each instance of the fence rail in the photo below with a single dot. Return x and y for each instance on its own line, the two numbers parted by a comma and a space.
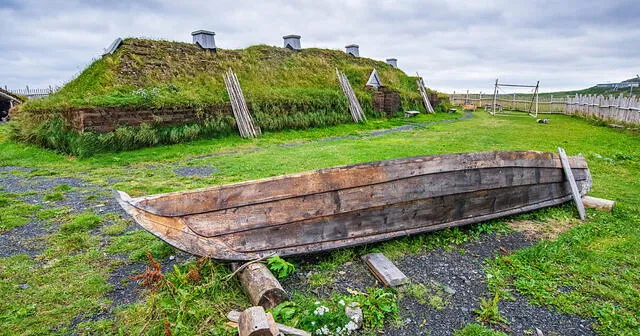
34, 92
608, 108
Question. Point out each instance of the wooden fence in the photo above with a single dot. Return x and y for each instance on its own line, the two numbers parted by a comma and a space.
33, 93
613, 109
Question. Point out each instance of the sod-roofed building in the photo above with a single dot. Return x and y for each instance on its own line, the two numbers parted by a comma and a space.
155, 84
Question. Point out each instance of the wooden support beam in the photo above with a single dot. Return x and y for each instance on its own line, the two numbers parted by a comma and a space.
255, 322
598, 203
234, 316
261, 286
572, 182
385, 270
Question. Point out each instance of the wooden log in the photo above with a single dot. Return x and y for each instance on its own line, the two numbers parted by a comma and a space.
598, 203
572, 182
261, 286
255, 322
234, 316
385, 270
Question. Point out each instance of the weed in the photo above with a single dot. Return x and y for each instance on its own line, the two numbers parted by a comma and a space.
152, 278
54, 196
81, 223
53, 213
318, 279
281, 267
477, 330
14, 212
62, 188
137, 244
488, 311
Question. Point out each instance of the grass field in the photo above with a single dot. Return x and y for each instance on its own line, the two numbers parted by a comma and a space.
592, 270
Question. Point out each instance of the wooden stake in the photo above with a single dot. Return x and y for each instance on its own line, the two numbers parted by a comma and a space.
572, 182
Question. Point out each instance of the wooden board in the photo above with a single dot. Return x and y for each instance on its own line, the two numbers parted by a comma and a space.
577, 200
385, 270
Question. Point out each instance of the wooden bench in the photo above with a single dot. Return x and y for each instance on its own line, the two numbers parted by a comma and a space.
409, 114
453, 110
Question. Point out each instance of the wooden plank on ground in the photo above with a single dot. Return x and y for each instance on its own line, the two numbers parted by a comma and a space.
572, 182
385, 270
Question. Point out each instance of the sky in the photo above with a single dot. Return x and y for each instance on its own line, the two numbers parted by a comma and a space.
454, 45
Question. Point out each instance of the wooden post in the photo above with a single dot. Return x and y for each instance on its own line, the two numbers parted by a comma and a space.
255, 322
495, 97
261, 286
572, 183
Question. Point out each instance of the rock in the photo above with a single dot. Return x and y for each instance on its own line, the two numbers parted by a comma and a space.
342, 272
24, 286
355, 315
449, 290
348, 263
539, 332
172, 257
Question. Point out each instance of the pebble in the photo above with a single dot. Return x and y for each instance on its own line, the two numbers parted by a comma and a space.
24, 286
449, 290
172, 257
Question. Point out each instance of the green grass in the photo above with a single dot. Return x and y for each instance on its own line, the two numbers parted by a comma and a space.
82, 223
590, 270
477, 330
14, 212
137, 243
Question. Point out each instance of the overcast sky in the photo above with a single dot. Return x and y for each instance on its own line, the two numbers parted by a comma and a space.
454, 45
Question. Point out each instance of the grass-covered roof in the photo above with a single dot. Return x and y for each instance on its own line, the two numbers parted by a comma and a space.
150, 73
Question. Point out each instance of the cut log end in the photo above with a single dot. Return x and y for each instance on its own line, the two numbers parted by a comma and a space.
255, 322
598, 203
261, 286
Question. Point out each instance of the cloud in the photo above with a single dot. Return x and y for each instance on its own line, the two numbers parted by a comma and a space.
455, 45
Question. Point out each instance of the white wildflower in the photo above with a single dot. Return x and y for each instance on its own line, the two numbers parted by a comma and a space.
351, 326
321, 310
341, 302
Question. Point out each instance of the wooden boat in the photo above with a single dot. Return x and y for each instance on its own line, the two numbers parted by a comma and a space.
357, 204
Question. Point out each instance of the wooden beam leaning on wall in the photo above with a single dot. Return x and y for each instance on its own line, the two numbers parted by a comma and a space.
572, 182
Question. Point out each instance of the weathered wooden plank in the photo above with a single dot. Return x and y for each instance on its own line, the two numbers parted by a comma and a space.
395, 217
293, 185
385, 270
234, 316
261, 286
346, 200
255, 322
598, 203
572, 182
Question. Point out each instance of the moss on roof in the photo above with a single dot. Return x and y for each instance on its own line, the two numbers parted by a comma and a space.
151, 73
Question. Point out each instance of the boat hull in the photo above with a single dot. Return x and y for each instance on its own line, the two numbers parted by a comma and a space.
357, 204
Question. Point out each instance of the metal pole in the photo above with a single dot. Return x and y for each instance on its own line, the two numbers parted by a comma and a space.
495, 96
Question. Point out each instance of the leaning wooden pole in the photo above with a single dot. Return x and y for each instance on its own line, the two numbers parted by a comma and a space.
423, 93
354, 105
241, 113
572, 183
